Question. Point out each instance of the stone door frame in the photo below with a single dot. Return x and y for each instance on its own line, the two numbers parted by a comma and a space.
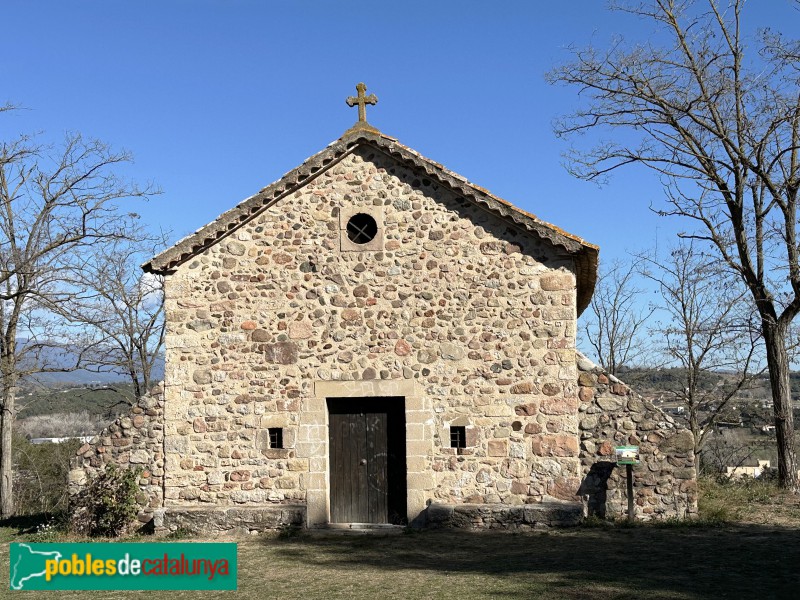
312, 443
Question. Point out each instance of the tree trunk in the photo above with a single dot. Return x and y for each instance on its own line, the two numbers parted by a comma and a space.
8, 392
694, 427
778, 366
6, 463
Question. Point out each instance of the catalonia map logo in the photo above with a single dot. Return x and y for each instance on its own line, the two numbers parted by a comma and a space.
124, 566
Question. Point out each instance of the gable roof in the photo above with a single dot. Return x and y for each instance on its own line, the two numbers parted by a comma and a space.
583, 253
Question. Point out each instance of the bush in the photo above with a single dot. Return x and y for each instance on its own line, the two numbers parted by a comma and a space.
40, 475
107, 506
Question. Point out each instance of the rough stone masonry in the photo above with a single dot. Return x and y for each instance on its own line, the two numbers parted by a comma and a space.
457, 302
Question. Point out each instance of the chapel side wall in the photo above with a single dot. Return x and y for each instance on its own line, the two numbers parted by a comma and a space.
611, 414
475, 312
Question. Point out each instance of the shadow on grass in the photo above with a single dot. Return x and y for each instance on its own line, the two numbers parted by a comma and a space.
664, 562
25, 523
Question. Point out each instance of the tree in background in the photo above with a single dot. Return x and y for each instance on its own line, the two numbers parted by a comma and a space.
56, 203
720, 125
616, 318
119, 308
708, 330
728, 448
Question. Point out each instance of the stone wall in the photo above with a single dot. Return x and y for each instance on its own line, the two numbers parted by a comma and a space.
133, 440
528, 517
234, 521
611, 414
476, 315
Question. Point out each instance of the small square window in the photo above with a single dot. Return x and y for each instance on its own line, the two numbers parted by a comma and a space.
275, 437
458, 437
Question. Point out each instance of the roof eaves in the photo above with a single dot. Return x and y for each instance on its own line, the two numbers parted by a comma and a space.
585, 253
245, 210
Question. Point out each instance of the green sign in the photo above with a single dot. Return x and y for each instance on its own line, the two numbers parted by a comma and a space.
124, 566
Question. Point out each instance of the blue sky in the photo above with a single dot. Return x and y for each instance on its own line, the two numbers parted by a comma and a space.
218, 99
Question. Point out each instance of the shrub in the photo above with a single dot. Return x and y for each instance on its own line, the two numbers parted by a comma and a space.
107, 505
40, 475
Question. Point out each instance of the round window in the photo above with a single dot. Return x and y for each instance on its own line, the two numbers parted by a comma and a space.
361, 228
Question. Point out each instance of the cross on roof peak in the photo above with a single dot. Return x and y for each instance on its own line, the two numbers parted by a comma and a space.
362, 100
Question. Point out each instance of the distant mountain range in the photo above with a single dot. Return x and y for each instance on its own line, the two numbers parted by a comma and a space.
63, 357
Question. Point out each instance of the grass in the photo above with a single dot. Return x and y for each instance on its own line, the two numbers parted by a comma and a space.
749, 501
710, 559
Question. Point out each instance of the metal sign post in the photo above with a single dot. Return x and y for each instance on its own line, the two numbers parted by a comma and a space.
628, 456
629, 470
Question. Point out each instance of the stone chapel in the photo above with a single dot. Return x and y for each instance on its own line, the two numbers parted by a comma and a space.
374, 341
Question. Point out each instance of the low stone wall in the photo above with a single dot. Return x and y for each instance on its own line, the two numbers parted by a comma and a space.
501, 516
133, 440
665, 482
228, 520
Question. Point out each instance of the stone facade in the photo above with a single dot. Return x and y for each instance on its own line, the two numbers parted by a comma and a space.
461, 306
467, 318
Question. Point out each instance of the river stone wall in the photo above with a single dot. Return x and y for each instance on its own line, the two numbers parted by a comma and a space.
611, 414
132, 440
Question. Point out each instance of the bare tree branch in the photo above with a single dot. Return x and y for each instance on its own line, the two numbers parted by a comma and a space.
721, 127
56, 203
119, 307
617, 318
708, 329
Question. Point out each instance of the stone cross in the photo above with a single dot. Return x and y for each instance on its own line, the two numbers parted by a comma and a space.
362, 100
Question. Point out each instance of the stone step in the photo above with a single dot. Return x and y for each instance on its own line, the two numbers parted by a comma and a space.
357, 529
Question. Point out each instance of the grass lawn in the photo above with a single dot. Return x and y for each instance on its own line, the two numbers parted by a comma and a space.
750, 558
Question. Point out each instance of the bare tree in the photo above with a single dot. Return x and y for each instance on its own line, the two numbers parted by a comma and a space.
55, 202
120, 307
617, 317
727, 448
721, 127
709, 331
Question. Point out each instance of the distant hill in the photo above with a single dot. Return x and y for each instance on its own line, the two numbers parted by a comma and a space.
104, 401
64, 357
671, 379
86, 378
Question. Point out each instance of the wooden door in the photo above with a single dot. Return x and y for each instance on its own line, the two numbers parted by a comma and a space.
358, 468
